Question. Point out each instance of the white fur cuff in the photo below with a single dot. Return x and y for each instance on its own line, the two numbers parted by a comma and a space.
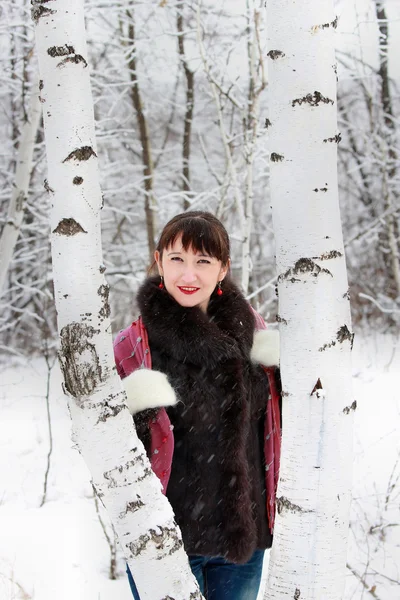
265, 348
146, 388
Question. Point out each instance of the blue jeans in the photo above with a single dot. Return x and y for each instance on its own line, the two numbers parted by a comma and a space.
219, 579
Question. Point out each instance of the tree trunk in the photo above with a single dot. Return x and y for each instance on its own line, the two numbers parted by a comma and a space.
388, 157
251, 121
308, 558
24, 161
189, 75
102, 426
144, 136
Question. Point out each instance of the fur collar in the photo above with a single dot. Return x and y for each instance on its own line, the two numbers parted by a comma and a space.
188, 334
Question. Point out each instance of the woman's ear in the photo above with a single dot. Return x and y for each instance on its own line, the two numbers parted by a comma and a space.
157, 258
224, 270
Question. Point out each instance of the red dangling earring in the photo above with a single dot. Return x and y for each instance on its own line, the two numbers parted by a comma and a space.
161, 284
219, 290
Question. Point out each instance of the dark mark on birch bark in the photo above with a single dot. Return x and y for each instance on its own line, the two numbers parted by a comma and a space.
76, 59
314, 99
133, 506
165, 539
147, 473
113, 476
280, 319
267, 123
330, 255
38, 10
47, 187
303, 265
69, 227
77, 180
55, 51
274, 54
83, 153
283, 503
41, 86
276, 157
337, 139
102, 269
20, 201
68, 52
296, 594
104, 293
326, 346
317, 386
81, 375
109, 411
325, 189
344, 334
347, 409
333, 24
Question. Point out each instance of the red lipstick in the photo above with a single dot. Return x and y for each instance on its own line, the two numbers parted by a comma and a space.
188, 290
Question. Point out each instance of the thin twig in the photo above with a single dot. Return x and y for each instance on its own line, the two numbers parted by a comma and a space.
370, 590
50, 365
111, 545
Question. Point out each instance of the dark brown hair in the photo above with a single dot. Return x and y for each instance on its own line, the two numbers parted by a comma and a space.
201, 231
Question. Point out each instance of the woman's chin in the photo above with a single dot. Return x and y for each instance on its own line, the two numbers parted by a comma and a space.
190, 300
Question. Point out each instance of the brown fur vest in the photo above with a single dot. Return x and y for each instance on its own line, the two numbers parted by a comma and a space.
217, 485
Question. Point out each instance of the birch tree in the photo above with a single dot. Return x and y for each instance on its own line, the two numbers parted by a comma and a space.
102, 427
16, 207
308, 557
388, 153
248, 110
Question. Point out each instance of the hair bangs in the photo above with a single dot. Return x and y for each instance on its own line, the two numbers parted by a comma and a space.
201, 232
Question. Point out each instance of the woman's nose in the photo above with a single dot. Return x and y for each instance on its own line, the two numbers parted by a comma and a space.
189, 275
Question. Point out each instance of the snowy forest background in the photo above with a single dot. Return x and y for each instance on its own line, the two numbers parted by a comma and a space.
181, 107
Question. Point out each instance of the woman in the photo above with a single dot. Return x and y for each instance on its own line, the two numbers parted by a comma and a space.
200, 339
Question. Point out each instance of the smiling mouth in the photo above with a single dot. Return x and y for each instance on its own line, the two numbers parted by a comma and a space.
188, 290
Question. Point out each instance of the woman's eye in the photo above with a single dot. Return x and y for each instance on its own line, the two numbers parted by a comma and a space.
176, 258
205, 261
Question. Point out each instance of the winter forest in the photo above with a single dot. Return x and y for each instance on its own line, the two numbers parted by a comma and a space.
181, 96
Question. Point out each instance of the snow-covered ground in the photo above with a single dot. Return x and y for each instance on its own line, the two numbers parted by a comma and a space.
60, 551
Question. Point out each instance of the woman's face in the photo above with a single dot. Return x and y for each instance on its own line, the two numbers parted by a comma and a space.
189, 277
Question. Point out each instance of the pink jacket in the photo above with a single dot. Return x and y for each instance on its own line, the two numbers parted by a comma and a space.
131, 351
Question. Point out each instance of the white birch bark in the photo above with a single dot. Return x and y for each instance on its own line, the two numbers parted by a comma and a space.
19, 194
308, 557
102, 425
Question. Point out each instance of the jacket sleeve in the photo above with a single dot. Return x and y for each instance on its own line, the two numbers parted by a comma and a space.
267, 350
132, 355
145, 388
127, 363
